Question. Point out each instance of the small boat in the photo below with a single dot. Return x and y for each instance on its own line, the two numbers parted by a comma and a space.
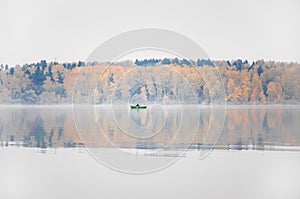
138, 107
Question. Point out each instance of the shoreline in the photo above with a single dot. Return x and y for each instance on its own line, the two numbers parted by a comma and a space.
164, 105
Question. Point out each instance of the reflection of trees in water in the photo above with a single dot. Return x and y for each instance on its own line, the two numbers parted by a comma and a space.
256, 127
252, 145
139, 117
38, 133
260, 142
33, 126
249, 128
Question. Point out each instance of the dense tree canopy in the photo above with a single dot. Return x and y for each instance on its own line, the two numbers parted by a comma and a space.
259, 82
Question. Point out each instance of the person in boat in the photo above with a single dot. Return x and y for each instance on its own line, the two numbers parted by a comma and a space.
137, 105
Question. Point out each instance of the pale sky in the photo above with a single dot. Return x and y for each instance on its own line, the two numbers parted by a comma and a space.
31, 30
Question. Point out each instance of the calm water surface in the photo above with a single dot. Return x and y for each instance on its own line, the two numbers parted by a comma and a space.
42, 154
237, 127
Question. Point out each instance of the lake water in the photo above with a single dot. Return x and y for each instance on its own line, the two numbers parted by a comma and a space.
169, 127
182, 152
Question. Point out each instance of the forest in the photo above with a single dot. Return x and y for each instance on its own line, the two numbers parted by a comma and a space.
168, 81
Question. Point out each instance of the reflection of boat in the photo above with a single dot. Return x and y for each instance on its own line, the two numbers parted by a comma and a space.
138, 107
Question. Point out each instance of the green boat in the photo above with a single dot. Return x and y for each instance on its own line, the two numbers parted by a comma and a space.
138, 107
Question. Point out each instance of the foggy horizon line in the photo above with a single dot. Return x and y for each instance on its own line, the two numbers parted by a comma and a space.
146, 58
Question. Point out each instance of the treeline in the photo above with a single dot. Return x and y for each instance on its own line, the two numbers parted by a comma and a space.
149, 80
175, 61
